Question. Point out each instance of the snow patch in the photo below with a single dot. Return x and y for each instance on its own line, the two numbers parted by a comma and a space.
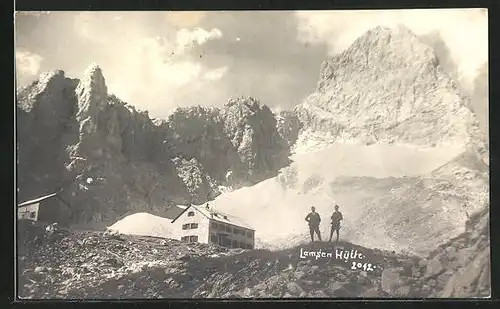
277, 206
144, 224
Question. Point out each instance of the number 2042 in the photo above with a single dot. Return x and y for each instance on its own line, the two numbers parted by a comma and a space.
364, 266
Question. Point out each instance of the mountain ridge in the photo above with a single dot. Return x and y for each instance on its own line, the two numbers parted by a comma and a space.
111, 158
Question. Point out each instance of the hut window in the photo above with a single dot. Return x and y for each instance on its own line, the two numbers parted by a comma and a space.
213, 238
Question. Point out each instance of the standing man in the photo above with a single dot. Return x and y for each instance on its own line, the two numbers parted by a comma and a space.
336, 218
314, 219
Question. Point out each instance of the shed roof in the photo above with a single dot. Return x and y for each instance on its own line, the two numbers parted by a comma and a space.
37, 200
217, 216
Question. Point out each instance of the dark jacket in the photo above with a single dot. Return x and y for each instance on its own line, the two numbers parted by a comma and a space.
313, 218
336, 218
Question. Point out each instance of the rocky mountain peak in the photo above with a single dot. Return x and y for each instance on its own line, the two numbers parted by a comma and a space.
246, 104
387, 87
383, 49
48, 82
388, 33
91, 92
50, 77
247, 111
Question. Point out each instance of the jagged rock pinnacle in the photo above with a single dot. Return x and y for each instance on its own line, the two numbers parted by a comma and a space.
46, 77
94, 79
91, 92
49, 82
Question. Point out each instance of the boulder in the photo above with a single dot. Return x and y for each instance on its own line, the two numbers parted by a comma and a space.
294, 288
318, 294
391, 280
372, 293
471, 281
434, 267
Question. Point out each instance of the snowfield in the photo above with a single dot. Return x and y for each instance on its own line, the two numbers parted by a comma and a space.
144, 224
353, 176
385, 192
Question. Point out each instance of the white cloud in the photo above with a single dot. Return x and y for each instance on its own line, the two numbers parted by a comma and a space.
215, 74
114, 27
87, 24
187, 39
465, 31
155, 59
152, 76
153, 73
179, 74
27, 63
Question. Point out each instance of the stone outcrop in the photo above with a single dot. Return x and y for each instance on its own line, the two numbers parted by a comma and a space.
289, 126
466, 261
252, 130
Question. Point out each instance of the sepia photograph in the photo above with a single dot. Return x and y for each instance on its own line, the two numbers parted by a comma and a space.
252, 154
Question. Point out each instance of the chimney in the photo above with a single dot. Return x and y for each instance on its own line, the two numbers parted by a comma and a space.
208, 208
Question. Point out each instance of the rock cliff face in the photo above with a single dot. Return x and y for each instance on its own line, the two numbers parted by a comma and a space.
463, 265
387, 87
110, 159
44, 121
252, 130
459, 268
289, 126
237, 145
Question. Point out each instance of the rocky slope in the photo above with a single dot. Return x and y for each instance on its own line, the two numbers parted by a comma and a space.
110, 159
480, 98
386, 203
69, 265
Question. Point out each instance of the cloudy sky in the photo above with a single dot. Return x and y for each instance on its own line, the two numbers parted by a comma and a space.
161, 60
